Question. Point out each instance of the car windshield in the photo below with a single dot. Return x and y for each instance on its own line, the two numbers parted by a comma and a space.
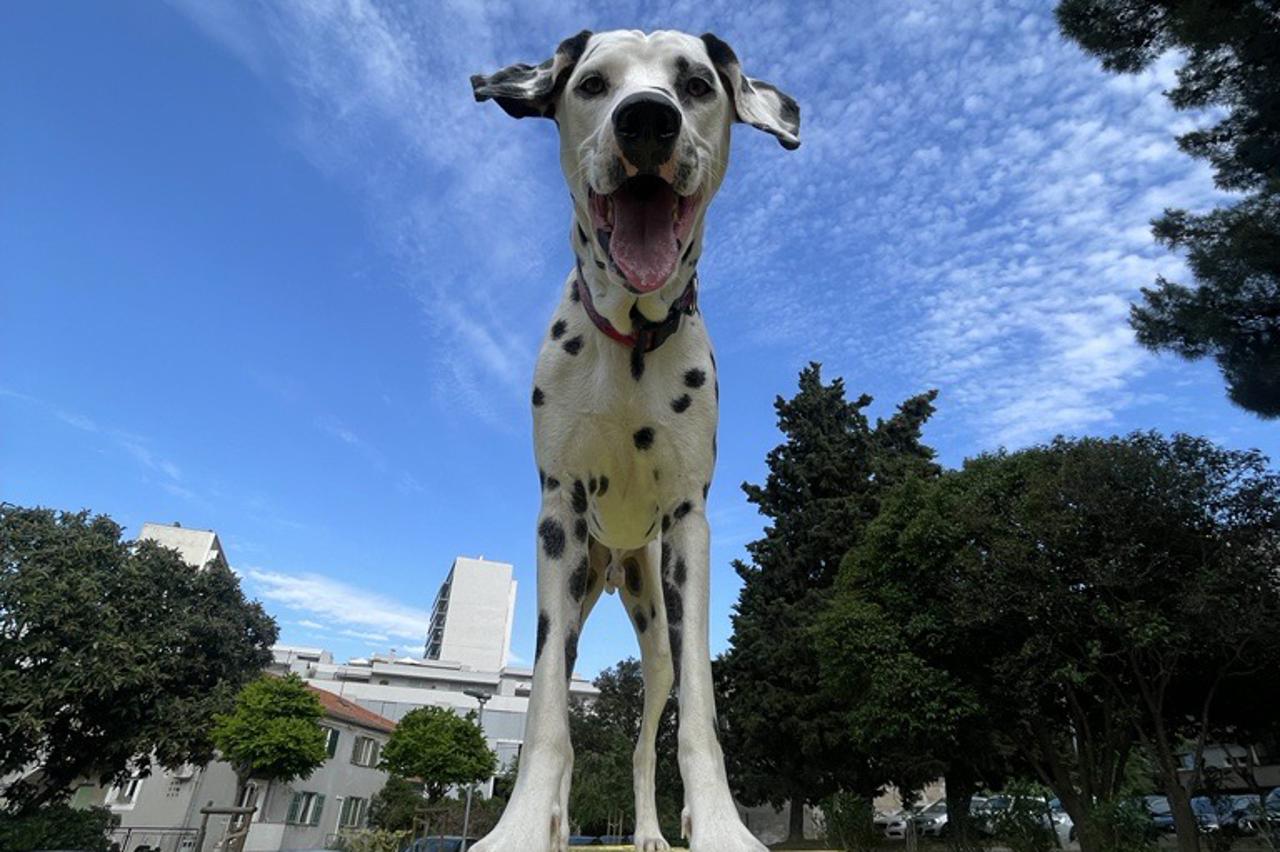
998, 803
1158, 805
1202, 805
936, 808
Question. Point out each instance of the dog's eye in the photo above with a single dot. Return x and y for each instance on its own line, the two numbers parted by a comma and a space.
697, 87
591, 85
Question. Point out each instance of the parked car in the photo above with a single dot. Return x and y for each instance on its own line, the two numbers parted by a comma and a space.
1162, 814
1268, 815
932, 821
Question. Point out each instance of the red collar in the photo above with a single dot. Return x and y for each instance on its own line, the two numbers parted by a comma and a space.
646, 335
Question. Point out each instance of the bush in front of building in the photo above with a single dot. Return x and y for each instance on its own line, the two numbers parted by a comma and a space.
55, 827
848, 822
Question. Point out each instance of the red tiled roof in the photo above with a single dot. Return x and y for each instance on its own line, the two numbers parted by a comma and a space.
348, 711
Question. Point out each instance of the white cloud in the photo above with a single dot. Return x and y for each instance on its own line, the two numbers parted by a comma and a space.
348, 609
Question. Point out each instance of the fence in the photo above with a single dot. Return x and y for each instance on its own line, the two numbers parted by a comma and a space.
153, 839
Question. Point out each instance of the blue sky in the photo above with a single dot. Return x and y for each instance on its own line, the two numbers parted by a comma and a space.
267, 269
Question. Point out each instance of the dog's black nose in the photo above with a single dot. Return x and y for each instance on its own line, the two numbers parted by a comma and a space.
646, 125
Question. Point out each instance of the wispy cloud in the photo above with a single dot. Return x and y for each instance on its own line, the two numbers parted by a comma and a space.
338, 606
969, 208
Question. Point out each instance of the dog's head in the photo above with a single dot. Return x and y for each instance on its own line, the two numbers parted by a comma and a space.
644, 136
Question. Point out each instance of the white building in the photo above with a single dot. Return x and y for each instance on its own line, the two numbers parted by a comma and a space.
162, 809
198, 548
472, 615
392, 686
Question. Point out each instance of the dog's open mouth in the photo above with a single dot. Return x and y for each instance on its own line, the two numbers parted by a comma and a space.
642, 226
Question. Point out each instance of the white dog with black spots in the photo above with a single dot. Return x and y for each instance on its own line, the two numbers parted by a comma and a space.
625, 405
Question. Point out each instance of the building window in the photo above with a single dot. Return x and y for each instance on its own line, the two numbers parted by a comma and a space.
330, 740
354, 812
305, 809
125, 795
365, 752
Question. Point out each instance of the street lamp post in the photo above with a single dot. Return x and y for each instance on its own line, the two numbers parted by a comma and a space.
480, 697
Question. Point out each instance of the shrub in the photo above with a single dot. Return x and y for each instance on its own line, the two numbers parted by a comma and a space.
55, 827
849, 822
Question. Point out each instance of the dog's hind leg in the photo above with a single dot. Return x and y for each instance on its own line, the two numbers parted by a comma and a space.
642, 597
712, 818
535, 819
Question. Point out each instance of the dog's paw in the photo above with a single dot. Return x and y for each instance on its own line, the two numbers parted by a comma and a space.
718, 829
648, 837
520, 831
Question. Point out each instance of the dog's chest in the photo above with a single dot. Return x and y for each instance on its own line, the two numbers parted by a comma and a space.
630, 445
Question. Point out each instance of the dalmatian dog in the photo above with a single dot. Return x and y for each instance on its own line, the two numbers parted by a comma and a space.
625, 404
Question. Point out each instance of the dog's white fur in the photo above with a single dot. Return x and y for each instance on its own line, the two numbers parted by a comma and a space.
626, 451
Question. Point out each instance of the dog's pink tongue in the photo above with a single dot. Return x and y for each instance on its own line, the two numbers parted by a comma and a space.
643, 242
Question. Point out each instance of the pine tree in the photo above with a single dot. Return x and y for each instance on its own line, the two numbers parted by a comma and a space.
824, 486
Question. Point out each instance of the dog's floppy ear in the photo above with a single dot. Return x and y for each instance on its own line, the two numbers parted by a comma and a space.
528, 90
757, 103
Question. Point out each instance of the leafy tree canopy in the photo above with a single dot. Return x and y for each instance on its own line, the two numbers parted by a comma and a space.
111, 651
785, 742
440, 748
1231, 63
398, 805
273, 733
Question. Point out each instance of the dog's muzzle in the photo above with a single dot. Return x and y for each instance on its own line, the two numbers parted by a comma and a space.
646, 125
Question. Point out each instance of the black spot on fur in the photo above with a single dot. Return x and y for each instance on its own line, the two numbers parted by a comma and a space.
675, 615
593, 577
574, 295
573, 345
592, 484
604, 485
666, 557
599, 265
643, 438
538, 397
694, 378
657, 475
552, 483
681, 404
582, 235
653, 612
552, 535
570, 653
579, 497
580, 530
637, 362
642, 623
631, 569
680, 574
666, 522
544, 624
578, 579
683, 509
557, 329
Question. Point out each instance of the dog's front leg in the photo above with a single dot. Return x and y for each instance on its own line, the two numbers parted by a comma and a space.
535, 819
711, 819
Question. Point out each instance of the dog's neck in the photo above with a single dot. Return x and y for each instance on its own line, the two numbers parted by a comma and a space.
615, 303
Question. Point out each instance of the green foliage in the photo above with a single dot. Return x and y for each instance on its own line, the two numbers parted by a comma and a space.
783, 738
1087, 585
373, 840
397, 804
1021, 826
440, 748
55, 827
1119, 825
111, 651
604, 735
1229, 50
848, 823
273, 732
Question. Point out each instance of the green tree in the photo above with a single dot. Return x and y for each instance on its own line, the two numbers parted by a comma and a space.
398, 805
439, 748
111, 652
273, 733
604, 734
909, 677
784, 741
1122, 592
56, 826
1230, 65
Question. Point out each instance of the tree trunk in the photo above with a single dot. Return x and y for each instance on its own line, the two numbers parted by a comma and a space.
795, 829
961, 785
1184, 819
